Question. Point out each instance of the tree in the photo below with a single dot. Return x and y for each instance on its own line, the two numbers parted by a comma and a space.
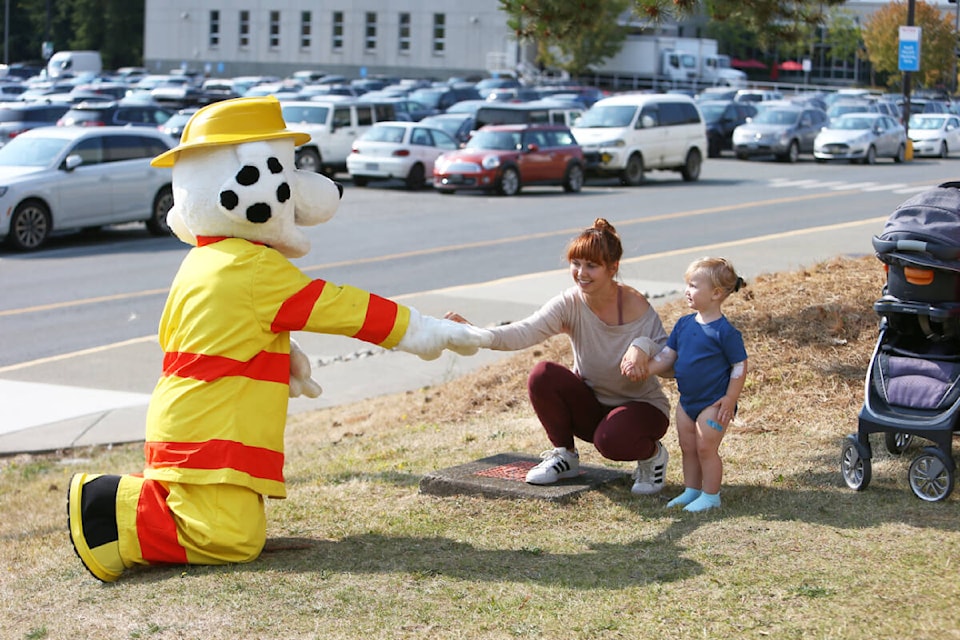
598, 35
774, 21
937, 43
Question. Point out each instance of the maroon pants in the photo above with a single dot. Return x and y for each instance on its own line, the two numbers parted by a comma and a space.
568, 408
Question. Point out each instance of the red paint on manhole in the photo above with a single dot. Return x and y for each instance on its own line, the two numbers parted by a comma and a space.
511, 471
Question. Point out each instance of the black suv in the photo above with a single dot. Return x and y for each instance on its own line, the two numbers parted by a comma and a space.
100, 114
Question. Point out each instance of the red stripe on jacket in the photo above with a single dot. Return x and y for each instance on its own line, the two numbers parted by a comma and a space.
256, 462
266, 366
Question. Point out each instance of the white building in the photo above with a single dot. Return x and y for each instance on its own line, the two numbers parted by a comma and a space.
354, 38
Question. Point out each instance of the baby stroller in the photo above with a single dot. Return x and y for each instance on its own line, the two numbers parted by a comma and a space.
913, 380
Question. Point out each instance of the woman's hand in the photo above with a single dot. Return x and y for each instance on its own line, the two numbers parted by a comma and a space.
634, 364
456, 317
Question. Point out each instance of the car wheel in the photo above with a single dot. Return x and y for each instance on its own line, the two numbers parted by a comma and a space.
871, 156
901, 154
29, 225
691, 168
573, 181
359, 181
944, 151
509, 183
632, 174
162, 203
792, 154
308, 160
742, 156
417, 178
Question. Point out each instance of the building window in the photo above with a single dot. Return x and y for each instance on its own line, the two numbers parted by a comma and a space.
370, 38
244, 29
305, 29
274, 29
439, 33
337, 39
214, 38
404, 35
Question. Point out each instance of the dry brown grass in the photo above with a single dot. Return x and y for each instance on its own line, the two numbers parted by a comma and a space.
357, 552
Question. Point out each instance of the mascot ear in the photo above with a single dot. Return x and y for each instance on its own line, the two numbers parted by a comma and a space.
179, 226
315, 197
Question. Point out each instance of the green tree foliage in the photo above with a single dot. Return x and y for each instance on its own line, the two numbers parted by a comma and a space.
113, 27
774, 21
937, 43
598, 35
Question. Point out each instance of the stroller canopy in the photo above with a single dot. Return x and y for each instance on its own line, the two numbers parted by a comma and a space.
928, 222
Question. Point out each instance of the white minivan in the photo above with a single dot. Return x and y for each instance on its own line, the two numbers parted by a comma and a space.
333, 126
629, 134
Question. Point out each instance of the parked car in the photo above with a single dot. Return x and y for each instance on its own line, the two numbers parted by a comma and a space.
114, 113
459, 126
504, 158
722, 117
15, 118
841, 107
861, 137
60, 178
627, 135
173, 127
442, 98
783, 131
934, 134
333, 126
403, 150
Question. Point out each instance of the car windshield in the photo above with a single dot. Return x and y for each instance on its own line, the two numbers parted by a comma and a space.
777, 116
607, 116
31, 152
712, 112
384, 134
853, 123
920, 122
502, 140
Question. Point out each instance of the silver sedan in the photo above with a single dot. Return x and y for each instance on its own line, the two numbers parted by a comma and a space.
861, 137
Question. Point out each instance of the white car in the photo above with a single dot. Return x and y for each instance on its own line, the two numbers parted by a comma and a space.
934, 134
62, 178
402, 150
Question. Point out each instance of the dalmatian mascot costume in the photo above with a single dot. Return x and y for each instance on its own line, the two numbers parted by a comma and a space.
215, 424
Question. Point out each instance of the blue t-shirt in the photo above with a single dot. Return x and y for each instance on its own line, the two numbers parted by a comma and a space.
705, 355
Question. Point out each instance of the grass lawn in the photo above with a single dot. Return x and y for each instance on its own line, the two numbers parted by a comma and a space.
357, 552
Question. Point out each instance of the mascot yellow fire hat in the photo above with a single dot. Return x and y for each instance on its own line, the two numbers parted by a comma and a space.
232, 122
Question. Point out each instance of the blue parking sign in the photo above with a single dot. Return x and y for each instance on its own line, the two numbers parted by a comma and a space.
909, 50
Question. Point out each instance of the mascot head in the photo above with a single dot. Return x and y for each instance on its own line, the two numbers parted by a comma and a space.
234, 175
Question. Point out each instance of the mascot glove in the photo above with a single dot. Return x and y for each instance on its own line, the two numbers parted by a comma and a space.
301, 384
427, 337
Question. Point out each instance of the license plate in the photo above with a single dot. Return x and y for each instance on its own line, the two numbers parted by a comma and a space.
371, 166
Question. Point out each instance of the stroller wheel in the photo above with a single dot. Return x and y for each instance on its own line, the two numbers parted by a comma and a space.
897, 441
931, 475
854, 467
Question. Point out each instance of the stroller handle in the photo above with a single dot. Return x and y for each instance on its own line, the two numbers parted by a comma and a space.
917, 246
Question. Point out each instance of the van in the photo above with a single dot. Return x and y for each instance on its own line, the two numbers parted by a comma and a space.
68, 64
629, 134
533, 112
333, 125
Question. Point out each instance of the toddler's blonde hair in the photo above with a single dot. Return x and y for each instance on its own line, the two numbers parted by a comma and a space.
719, 271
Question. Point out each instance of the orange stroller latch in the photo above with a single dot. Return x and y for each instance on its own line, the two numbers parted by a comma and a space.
920, 277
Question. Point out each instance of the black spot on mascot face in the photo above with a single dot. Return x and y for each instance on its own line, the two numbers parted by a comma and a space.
248, 183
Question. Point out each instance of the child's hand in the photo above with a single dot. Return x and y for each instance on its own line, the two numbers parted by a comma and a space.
726, 408
634, 363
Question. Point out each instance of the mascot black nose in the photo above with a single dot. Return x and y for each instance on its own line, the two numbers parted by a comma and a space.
259, 212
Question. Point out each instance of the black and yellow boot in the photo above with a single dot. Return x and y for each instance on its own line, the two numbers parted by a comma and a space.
92, 521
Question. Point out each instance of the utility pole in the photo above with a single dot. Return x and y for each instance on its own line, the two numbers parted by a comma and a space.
956, 50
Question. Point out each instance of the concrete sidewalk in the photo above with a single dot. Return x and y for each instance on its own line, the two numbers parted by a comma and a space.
45, 409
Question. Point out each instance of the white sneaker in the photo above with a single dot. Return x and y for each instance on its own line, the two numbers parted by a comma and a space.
557, 464
651, 473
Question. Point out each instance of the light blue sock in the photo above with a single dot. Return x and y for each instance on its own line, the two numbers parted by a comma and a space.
685, 498
704, 501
